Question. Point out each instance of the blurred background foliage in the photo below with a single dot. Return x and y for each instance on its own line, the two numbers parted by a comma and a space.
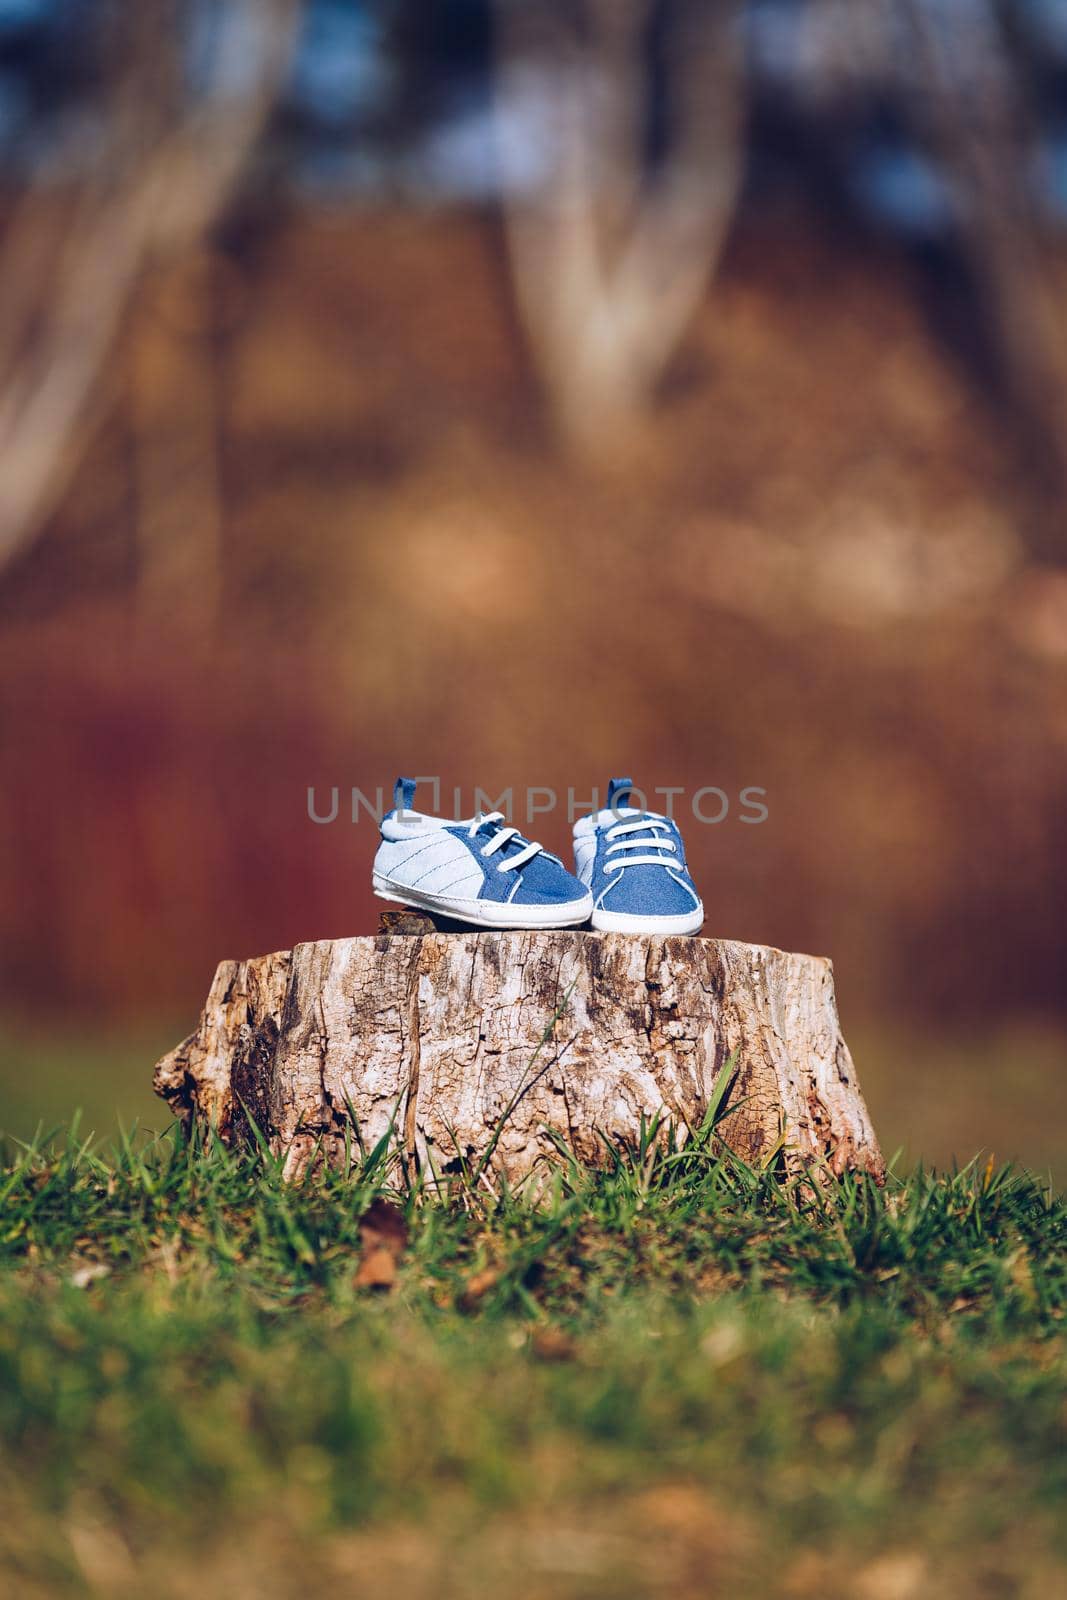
522, 394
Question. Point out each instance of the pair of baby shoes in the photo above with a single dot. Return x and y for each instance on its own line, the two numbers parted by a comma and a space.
629, 874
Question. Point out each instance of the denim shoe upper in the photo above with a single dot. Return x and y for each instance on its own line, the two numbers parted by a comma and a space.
480, 859
633, 861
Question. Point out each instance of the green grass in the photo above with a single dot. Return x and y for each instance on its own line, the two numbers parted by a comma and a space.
676, 1377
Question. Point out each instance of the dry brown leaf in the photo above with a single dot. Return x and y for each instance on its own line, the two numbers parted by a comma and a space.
808, 1576
383, 1224
377, 1270
477, 1287
894, 1577
383, 1233
552, 1344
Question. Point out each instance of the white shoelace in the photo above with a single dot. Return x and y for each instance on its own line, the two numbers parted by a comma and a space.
500, 839
643, 823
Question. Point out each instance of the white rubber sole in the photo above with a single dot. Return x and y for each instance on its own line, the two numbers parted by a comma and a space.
487, 913
625, 922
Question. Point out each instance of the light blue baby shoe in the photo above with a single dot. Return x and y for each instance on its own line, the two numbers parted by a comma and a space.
479, 871
633, 864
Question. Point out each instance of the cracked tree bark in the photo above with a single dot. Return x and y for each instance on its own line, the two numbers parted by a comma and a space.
499, 1044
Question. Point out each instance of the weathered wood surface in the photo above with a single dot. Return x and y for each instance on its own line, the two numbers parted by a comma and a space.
442, 1033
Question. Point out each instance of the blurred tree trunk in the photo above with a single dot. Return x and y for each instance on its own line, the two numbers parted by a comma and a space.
168, 160
967, 93
613, 246
175, 433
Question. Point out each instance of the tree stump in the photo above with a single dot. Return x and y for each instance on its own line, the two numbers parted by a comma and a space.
496, 1047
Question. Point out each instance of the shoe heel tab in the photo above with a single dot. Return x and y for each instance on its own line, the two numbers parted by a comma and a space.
404, 794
